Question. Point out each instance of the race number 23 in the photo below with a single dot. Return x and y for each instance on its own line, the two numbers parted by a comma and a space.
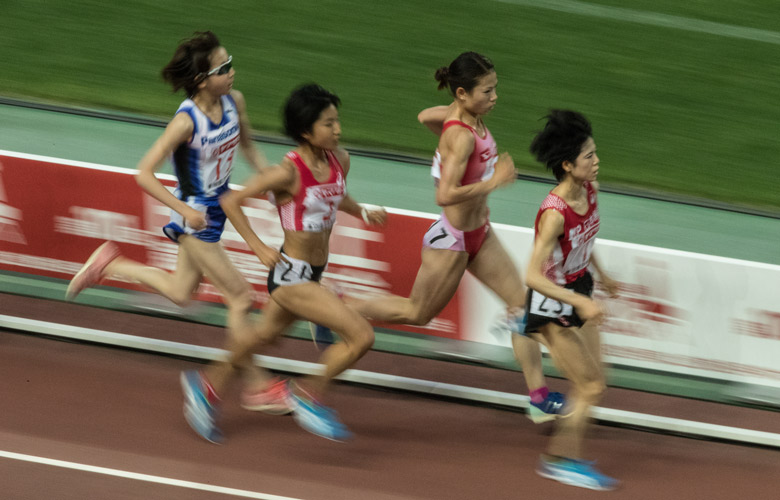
545, 306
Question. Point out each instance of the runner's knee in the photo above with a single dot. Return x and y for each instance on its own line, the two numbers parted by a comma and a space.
180, 298
240, 300
417, 316
367, 339
361, 339
593, 390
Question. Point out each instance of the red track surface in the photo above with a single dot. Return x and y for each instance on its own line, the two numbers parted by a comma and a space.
122, 410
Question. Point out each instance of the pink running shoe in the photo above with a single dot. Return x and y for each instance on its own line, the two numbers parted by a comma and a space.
274, 400
92, 271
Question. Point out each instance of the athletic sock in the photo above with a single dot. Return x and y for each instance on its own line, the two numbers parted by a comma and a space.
539, 395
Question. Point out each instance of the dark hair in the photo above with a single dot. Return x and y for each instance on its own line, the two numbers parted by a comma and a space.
464, 72
190, 63
561, 140
303, 108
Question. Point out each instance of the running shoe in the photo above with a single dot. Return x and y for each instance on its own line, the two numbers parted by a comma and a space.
321, 335
92, 271
507, 324
579, 473
549, 409
274, 400
318, 419
517, 324
200, 414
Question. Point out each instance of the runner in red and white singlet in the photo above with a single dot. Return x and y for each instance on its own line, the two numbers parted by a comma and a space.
308, 187
560, 311
314, 206
571, 256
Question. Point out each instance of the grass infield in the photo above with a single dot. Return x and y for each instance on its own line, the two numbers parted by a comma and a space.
683, 96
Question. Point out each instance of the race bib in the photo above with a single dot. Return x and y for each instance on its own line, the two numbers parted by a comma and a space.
293, 272
547, 307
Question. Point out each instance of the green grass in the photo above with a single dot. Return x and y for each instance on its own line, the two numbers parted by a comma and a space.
673, 110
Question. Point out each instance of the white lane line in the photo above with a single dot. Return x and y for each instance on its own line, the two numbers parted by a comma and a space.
143, 477
642, 420
652, 19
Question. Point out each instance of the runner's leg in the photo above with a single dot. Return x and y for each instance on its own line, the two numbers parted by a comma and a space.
177, 286
437, 279
495, 269
313, 302
572, 357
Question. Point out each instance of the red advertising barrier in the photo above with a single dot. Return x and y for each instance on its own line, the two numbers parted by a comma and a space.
54, 213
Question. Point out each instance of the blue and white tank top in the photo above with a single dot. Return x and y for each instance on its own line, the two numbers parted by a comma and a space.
203, 165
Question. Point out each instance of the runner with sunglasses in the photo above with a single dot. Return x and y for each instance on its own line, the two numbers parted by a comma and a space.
201, 141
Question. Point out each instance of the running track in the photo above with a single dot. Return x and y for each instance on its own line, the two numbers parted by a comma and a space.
120, 410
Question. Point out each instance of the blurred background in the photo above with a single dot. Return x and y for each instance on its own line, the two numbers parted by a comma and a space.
683, 96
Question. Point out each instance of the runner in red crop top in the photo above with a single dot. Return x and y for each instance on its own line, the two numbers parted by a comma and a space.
482, 161
314, 206
308, 186
467, 168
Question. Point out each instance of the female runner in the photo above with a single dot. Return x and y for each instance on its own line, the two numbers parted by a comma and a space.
201, 140
308, 187
561, 312
466, 168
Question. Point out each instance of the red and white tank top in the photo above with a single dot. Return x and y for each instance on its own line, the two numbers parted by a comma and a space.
571, 255
482, 161
315, 205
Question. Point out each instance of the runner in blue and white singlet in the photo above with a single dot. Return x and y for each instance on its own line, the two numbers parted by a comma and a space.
201, 140
203, 167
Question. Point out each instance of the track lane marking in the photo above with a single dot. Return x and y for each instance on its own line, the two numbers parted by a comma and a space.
142, 477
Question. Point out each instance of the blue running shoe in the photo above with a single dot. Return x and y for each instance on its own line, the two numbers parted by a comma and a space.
199, 413
517, 324
549, 409
318, 419
321, 335
576, 473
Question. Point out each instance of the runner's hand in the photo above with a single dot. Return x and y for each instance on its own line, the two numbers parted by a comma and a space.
592, 310
375, 217
505, 173
269, 257
194, 219
610, 286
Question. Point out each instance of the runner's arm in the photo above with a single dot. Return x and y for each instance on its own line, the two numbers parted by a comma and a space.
455, 146
349, 205
253, 154
178, 131
610, 286
276, 178
550, 228
433, 118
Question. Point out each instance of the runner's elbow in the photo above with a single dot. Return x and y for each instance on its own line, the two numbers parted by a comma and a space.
142, 178
533, 279
444, 199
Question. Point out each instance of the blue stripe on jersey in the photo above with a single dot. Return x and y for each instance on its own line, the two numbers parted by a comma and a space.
186, 163
203, 164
